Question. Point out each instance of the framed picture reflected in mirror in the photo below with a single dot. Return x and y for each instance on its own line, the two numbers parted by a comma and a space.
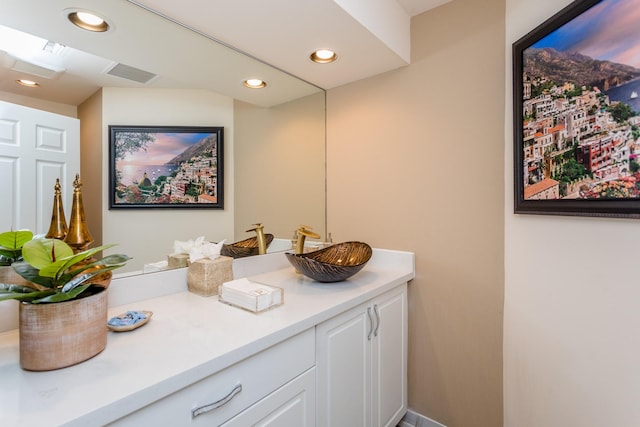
166, 167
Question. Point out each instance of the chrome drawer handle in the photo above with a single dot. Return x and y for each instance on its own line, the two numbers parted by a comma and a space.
370, 323
210, 407
375, 309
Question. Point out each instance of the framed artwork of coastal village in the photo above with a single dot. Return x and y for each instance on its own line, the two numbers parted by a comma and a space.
577, 112
166, 167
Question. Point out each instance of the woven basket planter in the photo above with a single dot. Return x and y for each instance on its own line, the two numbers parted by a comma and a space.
57, 335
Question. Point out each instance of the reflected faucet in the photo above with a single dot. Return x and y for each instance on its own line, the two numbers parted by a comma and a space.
262, 242
299, 236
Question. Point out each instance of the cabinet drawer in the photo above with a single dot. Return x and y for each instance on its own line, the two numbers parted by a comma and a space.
232, 389
291, 405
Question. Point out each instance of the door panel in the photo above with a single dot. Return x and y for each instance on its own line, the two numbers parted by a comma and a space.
36, 148
344, 369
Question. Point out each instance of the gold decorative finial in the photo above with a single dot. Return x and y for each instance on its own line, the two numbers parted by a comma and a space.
78, 236
58, 227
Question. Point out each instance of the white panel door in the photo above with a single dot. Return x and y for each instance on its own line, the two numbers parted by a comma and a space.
36, 147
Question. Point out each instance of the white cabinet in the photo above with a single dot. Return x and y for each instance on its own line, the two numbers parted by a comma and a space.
292, 405
361, 364
265, 386
332, 355
389, 359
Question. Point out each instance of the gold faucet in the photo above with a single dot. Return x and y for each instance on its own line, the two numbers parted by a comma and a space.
262, 242
301, 233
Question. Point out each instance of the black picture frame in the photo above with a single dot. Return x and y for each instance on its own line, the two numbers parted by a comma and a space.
166, 167
575, 147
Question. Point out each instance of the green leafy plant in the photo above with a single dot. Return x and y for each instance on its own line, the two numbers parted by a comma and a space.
55, 273
11, 243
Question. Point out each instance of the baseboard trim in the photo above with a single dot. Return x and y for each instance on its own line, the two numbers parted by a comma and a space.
413, 419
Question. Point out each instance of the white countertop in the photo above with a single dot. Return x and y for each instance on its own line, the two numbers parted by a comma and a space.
188, 338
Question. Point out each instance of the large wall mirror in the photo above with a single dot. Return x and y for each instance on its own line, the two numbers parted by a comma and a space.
274, 138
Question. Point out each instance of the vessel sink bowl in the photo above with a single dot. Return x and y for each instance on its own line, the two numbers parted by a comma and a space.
244, 248
334, 263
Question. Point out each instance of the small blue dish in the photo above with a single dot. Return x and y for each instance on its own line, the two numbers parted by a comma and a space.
129, 321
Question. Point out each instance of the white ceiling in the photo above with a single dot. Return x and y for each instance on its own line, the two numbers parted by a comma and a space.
370, 38
285, 32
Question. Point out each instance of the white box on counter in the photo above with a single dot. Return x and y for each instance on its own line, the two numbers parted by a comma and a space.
250, 295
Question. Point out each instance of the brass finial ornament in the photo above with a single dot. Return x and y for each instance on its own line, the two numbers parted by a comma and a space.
78, 236
58, 228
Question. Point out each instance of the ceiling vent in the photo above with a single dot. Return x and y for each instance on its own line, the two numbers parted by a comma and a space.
46, 72
131, 73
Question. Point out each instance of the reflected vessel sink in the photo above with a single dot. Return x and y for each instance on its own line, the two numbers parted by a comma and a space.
334, 263
244, 248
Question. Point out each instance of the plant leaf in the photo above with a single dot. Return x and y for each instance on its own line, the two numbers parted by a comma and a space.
38, 252
14, 240
4, 259
86, 254
84, 278
10, 287
57, 268
62, 296
10, 253
115, 260
78, 280
25, 296
32, 274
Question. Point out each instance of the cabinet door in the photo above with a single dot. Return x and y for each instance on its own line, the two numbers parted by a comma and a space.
291, 405
343, 367
389, 359
362, 364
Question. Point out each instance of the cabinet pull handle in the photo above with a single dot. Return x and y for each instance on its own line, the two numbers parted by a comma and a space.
210, 407
370, 323
375, 310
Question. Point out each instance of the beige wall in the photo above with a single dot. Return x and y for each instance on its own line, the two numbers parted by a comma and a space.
52, 107
148, 234
92, 167
415, 162
571, 346
280, 166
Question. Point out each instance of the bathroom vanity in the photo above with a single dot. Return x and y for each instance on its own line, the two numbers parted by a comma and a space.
333, 354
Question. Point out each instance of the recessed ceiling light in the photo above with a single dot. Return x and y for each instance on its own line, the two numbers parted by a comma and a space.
27, 83
88, 21
255, 83
323, 56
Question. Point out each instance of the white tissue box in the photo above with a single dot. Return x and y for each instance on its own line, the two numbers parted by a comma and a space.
250, 295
